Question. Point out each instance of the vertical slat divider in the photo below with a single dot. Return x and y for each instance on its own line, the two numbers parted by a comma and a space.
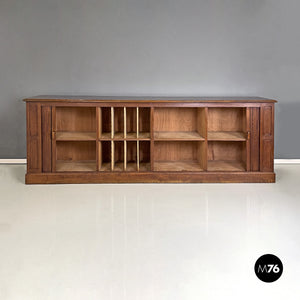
98, 136
112, 115
125, 155
137, 122
137, 155
152, 138
112, 155
125, 126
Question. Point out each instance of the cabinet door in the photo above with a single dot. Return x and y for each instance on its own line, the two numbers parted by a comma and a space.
267, 138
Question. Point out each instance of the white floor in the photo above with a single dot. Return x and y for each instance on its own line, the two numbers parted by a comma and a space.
158, 242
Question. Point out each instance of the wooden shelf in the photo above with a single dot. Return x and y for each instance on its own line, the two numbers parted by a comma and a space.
105, 136
225, 165
75, 136
75, 166
118, 136
143, 136
177, 136
143, 167
226, 136
119, 166
177, 166
130, 167
105, 167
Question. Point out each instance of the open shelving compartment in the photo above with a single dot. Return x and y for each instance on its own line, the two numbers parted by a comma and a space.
180, 156
75, 139
227, 139
179, 124
179, 139
124, 139
184, 139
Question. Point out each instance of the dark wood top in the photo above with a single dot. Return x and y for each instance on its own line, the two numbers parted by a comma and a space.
59, 98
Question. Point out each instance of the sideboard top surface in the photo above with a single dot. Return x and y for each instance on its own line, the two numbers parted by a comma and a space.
67, 98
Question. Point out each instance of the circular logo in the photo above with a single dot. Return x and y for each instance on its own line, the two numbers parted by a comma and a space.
268, 268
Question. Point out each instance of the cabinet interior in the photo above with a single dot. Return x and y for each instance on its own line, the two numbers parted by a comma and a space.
140, 139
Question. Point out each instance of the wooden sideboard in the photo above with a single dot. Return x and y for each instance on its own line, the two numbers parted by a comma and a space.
85, 139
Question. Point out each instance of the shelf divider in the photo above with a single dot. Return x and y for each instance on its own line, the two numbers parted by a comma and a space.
99, 122
137, 122
125, 126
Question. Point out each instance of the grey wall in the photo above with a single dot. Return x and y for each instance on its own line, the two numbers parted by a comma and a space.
149, 47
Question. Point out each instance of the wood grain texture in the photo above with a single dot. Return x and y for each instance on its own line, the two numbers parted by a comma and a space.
178, 166
34, 138
75, 136
98, 135
105, 121
53, 139
144, 120
267, 138
75, 166
74, 151
255, 139
154, 139
152, 149
175, 151
46, 138
225, 166
201, 122
130, 99
178, 136
118, 121
226, 150
175, 119
150, 177
226, 119
76, 119
226, 136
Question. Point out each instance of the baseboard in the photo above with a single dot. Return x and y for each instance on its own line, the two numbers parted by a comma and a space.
9, 161
276, 161
286, 161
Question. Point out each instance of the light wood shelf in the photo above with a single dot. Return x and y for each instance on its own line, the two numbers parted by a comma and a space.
75, 166
226, 136
105, 167
177, 166
143, 136
75, 136
225, 165
178, 136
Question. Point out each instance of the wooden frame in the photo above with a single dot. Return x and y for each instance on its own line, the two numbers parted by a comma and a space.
99, 139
